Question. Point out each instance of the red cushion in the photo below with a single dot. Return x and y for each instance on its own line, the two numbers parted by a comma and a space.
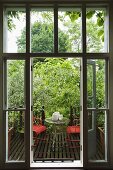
73, 129
39, 128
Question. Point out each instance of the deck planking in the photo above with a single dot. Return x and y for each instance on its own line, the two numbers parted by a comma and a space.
63, 151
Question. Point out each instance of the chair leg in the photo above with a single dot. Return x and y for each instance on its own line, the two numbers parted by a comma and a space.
72, 143
36, 141
39, 137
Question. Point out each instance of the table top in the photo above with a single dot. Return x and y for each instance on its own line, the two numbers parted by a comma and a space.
58, 122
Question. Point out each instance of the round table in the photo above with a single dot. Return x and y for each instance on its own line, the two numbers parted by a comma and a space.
57, 128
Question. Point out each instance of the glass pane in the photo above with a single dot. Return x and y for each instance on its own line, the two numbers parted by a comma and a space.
15, 83
15, 148
42, 30
56, 104
90, 83
97, 137
15, 30
96, 83
96, 30
69, 30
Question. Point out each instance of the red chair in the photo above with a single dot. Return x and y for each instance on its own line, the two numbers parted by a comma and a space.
73, 131
37, 130
73, 136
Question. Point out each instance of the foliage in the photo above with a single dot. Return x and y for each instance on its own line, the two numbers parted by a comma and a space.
72, 29
94, 41
75, 15
71, 21
42, 39
100, 119
10, 16
56, 81
15, 83
14, 120
100, 83
99, 18
56, 85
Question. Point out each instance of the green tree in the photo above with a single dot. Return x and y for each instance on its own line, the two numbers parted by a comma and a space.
90, 13
56, 85
15, 83
42, 39
94, 42
10, 15
56, 81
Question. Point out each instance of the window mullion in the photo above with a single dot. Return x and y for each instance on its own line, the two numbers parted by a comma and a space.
27, 86
56, 29
106, 85
84, 86
27, 29
84, 28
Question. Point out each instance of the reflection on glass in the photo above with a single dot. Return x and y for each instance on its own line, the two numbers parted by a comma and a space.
69, 30
42, 30
15, 150
97, 137
15, 83
96, 83
95, 29
90, 120
15, 30
90, 83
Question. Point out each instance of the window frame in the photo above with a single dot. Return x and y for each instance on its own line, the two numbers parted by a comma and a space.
26, 56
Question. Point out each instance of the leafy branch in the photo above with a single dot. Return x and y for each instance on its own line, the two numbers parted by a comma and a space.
100, 15
10, 16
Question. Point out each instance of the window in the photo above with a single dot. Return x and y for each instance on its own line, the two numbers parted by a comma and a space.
72, 28
42, 30
97, 108
14, 109
55, 57
96, 31
13, 29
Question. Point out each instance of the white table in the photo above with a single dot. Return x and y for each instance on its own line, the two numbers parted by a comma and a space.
57, 128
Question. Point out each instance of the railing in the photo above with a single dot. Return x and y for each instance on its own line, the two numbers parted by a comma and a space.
101, 139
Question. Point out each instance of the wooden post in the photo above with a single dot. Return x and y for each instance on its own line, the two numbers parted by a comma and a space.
71, 116
43, 115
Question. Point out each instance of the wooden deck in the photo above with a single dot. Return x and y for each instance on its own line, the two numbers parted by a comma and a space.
17, 149
63, 150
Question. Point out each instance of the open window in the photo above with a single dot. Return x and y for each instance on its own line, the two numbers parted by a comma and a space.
97, 109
